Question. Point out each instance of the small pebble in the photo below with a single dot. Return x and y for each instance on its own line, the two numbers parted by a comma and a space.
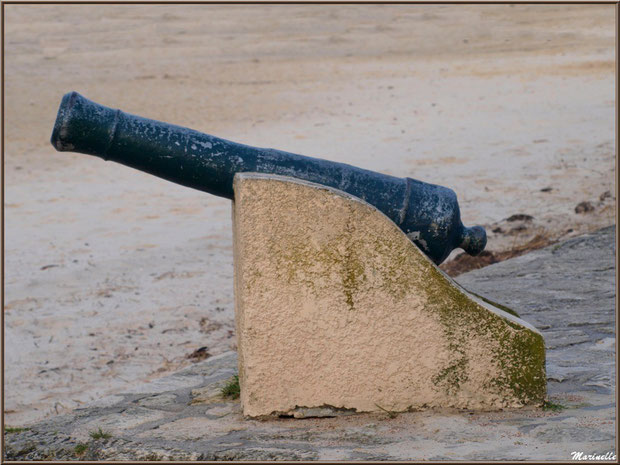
584, 207
520, 217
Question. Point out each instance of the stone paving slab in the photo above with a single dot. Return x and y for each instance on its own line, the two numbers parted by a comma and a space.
566, 290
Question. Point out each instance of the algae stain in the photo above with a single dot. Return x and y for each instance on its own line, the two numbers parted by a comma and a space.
304, 264
495, 304
519, 353
522, 360
353, 274
453, 376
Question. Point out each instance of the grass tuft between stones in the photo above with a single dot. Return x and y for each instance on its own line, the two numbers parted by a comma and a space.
100, 434
80, 449
232, 390
14, 429
549, 406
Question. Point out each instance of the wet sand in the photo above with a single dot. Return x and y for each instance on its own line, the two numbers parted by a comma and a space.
114, 277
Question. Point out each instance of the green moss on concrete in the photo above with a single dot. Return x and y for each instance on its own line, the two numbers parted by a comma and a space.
495, 304
398, 279
353, 276
520, 352
453, 376
522, 360
297, 262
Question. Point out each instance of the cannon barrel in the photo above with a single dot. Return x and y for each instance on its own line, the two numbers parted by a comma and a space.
429, 214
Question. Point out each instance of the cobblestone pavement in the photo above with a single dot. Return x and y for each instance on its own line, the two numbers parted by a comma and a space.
567, 291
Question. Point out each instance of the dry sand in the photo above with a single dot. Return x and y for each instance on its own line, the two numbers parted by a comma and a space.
114, 276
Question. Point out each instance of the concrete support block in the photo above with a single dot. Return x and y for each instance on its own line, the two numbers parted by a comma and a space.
336, 308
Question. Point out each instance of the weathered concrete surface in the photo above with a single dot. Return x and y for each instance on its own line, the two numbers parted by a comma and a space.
567, 290
335, 306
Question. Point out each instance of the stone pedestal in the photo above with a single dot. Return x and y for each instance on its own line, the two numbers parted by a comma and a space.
336, 308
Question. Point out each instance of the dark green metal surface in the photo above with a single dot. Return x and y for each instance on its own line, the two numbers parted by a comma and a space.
427, 213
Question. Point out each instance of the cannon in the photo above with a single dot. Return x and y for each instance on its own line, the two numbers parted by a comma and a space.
427, 213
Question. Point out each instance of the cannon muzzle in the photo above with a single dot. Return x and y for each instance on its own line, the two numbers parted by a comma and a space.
429, 214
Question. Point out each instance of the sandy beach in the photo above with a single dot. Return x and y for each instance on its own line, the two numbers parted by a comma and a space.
114, 277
